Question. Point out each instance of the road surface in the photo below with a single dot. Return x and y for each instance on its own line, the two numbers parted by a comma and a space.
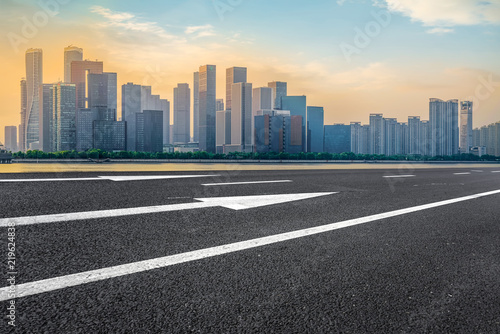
309, 251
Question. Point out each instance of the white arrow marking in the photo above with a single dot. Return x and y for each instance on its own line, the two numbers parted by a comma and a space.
112, 178
237, 183
235, 203
61, 282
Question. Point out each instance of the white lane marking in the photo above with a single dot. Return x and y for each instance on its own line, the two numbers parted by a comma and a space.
235, 203
112, 178
465, 173
54, 180
236, 183
119, 178
495, 171
389, 176
476, 171
51, 284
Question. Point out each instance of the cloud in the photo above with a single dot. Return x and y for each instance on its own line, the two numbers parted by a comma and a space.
203, 31
440, 30
128, 21
446, 13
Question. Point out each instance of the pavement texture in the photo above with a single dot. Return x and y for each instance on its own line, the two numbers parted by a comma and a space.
431, 271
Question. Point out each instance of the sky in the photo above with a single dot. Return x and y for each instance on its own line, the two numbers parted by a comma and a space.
352, 57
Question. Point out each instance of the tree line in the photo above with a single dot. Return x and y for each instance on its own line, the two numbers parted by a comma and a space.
201, 155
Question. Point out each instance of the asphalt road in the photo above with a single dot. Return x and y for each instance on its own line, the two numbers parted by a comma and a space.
431, 271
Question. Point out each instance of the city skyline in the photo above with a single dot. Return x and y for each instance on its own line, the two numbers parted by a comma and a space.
396, 83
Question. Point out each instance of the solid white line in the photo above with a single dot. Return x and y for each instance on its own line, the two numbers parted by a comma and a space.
236, 183
234, 203
466, 173
51, 284
112, 178
54, 180
399, 176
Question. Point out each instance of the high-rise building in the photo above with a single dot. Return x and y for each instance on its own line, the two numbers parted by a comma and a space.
85, 118
337, 138
234, 75
182, 120
219, 105
389, 131
102, 90
109, 135
376, 141
11, 138
165, 106
196, 107
131, 105
476, 137
414, 135
46, 105
443, 117
483, 140
71, 54
22, 126
64, 117
294, 134
279, 90
220, 126
241, 117
149, 129
207, 108
315, 129
425, 137
298, 107
355, 138
465, 126
402, 141
34, 78
79, 72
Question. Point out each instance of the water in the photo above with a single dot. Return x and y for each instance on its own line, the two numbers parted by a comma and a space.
183, 167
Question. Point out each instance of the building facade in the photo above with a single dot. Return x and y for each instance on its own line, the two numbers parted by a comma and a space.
207, 108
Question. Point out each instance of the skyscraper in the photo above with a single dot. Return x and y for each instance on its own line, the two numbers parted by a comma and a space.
389, 136
337, 138
298, 107
64, 116
443, 117
165, 107
102, 90
465, 126
196, 107
79, 71
182, 123
11, 138
414, 135
45, 116
71, 53
207, 108
34, 78
376, 141
149, 127
22, 126
315, 129
262, 99
279, 90
131, 105
355, 138
234, 75
241, 116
